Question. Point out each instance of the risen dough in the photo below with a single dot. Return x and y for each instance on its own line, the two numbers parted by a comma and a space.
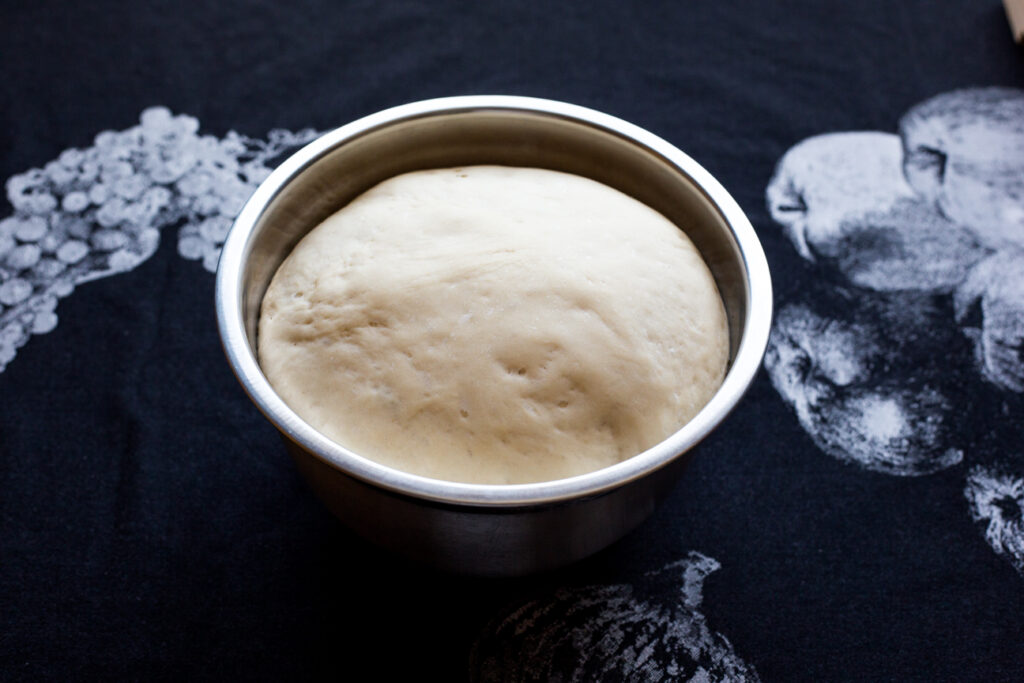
494, 325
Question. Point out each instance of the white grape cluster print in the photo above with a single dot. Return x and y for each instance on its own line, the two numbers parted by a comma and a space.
99, 211
908, 355
652, 630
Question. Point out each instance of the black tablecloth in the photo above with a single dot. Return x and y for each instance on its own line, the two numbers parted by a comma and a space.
858, 517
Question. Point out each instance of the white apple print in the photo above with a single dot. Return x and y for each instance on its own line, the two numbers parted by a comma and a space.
964, 153
842, 200
854, 397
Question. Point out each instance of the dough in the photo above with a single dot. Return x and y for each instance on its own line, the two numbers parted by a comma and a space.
494, 325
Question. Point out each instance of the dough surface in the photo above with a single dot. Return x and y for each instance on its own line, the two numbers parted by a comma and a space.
494, 325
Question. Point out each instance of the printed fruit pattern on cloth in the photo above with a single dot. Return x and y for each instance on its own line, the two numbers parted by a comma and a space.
908, 353
651, 630
99, 211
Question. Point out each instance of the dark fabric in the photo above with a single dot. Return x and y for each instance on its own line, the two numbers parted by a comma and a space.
153, 527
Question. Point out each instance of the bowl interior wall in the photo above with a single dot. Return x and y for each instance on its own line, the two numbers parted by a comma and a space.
484, 136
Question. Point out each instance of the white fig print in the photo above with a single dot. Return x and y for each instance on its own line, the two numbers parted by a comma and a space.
650, 631
96, 212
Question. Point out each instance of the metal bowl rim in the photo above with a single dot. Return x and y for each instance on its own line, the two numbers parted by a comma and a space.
747, 361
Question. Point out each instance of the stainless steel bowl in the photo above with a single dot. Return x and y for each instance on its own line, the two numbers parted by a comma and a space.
490, 529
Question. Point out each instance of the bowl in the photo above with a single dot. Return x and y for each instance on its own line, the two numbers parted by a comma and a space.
494, 530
